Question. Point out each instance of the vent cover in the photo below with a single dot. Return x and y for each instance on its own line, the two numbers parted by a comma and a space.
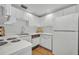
24, 7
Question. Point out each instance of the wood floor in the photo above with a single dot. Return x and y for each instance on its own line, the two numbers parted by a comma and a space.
41, 51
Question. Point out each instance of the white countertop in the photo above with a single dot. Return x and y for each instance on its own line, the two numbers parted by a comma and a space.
9, 36
41, 33
10, 48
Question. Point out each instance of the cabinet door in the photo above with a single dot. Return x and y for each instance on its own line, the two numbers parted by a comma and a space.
77, 8
70, 10
35, 41
28, 38
65, 43
24, 51
45, 41
1, 11
8, 9
2, 18
69, 22
59, 13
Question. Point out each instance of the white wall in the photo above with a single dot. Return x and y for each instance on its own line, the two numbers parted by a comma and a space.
33, 20
48, 29
32, 29
47, 23
16, 28
47, 20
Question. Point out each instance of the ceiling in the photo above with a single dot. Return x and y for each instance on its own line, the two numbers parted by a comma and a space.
42, 9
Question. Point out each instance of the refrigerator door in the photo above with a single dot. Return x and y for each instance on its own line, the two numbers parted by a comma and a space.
65, 43
69, 22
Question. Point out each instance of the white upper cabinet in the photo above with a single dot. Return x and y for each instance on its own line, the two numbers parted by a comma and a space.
69, 10
1, 13
77, 8
59, 13
69, 22
1, 10
7, 9
12, 11
17, 13
66, 11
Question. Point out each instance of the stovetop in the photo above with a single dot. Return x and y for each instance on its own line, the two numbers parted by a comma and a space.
11, 40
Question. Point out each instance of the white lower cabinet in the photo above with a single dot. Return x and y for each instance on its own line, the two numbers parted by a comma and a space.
45, 41
65, 43
46, 45
24, 51
26, 37
35, 41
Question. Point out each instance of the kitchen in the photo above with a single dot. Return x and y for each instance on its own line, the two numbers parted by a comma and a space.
39, 29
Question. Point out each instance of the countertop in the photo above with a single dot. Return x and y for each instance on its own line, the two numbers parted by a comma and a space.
41, 33
10, 48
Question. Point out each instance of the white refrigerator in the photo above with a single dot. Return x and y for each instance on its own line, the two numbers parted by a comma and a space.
65, 38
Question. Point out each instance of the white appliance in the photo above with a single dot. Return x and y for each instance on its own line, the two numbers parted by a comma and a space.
65, 39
